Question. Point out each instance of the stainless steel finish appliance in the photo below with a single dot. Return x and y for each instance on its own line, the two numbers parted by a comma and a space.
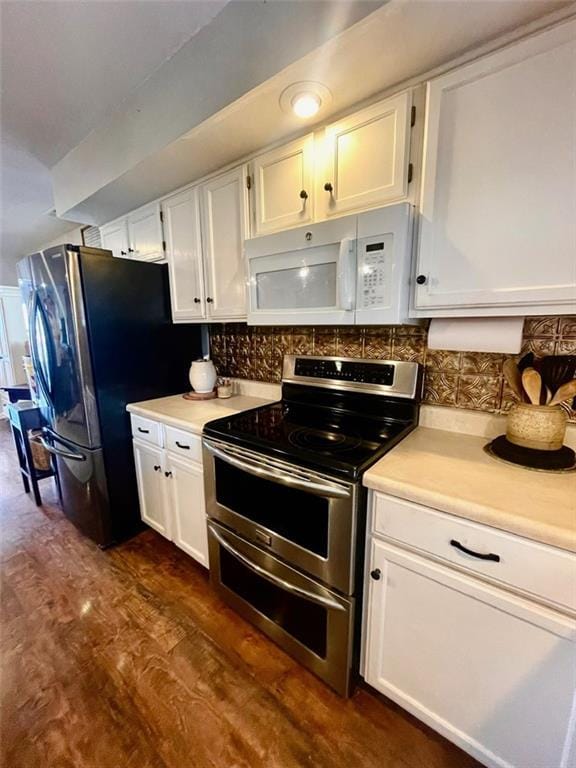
323, 546
286, 506
100, 337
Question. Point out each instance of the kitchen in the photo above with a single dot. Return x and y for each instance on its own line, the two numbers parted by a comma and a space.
295, 368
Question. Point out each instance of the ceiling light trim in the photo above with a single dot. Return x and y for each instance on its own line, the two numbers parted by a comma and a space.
293, 92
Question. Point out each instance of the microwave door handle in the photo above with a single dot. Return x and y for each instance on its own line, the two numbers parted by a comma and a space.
277, 475
282, 583
347, 273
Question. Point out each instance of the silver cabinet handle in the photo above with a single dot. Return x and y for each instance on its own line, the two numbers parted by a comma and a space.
278, 475
282, 583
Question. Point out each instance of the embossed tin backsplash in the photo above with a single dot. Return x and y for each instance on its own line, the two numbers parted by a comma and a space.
458, 379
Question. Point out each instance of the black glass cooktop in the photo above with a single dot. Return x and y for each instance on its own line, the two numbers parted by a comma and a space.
328, 439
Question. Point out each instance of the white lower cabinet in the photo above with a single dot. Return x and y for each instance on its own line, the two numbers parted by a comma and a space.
188, 508
493, 672
171, 493
151, 486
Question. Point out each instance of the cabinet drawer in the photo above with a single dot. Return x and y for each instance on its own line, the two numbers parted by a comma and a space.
184, 444
146, 429
537, 569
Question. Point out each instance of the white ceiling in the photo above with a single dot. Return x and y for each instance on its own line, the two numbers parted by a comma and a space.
65, 67
69, 68
400, 41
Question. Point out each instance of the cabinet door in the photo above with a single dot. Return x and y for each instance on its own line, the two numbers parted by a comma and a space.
181, 214
115, 238
145, 231
493, 673
283, 186
225, 227
366, 158
498, 227
150, 469
188, 508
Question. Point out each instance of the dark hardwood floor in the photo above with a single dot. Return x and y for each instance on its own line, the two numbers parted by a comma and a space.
126, 659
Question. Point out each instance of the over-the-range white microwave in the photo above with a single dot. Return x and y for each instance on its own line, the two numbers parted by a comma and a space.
352, 270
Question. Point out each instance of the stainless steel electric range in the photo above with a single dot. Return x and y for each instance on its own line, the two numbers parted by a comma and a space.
286, 507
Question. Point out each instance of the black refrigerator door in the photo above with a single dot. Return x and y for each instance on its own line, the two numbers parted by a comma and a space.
83, 487
59, 346
137, 354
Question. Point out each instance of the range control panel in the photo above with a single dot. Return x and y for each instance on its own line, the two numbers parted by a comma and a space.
342, 370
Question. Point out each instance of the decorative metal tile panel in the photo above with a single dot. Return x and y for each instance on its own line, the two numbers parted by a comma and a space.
440, 388
459, 379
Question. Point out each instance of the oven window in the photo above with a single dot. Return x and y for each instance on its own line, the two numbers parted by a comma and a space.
305, 621
300, 517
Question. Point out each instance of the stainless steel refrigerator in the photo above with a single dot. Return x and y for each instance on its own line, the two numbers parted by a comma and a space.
101, 336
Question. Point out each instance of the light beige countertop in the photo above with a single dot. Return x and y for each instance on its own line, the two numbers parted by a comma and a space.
450, 472
193, 415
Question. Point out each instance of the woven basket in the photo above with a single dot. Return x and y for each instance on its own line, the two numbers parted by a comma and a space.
40, 456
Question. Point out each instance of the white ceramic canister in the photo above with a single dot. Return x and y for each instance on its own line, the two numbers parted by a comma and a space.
202, 376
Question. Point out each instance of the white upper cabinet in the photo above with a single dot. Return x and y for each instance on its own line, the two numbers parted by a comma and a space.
224, 229
136, 236
366, 158
181, 215
145, 233
498, 208
115, 238
283, 185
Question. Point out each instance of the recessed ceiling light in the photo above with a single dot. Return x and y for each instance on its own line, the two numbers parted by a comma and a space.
305, 104
305, 99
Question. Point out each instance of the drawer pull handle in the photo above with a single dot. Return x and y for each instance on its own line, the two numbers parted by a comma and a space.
479, 555
181, 445
145, 431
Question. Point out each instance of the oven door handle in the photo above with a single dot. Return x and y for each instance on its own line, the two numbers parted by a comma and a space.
282, 583
278, 475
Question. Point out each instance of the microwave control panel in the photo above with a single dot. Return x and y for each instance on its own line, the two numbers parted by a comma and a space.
375, 262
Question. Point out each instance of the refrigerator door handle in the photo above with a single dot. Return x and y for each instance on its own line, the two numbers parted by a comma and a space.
63, 454
34, 350
69, 454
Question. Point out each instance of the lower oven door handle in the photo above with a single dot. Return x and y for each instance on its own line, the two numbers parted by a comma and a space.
319, 599
278, 476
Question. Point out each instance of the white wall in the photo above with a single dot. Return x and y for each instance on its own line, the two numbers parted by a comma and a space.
242, 47
13, 332
72, 237
8, 274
